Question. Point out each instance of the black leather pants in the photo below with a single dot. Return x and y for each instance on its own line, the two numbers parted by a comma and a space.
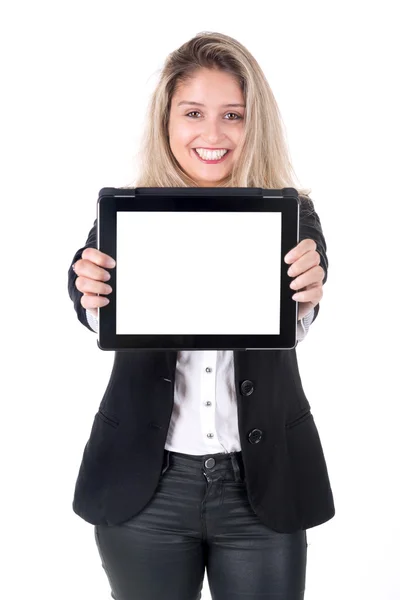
200, 518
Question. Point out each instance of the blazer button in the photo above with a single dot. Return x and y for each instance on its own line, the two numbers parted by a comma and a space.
247, 387
255, 436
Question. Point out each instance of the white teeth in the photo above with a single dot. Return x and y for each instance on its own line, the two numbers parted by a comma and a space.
210, 154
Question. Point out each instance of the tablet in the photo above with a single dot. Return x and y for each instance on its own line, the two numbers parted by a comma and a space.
198, 268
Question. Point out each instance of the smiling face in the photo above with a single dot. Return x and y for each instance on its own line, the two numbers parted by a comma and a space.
206, 121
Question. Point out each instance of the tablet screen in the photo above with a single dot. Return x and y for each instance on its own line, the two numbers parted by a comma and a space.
198, 272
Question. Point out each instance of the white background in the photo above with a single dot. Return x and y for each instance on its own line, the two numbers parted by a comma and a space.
76, 77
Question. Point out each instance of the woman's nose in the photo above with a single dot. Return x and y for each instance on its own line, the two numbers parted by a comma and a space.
212, 131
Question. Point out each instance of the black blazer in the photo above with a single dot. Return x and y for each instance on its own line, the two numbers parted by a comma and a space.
287, 479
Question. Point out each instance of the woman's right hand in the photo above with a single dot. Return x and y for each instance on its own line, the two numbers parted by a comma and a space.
92, 275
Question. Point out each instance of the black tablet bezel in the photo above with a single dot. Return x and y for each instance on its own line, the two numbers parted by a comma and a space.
113, 200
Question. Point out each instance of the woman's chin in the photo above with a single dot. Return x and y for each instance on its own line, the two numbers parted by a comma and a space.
203, 181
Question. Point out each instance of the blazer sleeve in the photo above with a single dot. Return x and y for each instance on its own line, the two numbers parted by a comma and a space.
73, 291
310, 227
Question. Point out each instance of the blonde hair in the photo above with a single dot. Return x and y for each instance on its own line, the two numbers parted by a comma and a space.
264, 159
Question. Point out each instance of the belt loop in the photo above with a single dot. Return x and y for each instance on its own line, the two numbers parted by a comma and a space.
236, 467
165, 461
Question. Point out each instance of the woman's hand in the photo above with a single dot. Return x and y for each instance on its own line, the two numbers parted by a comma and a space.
92, 273
304, 260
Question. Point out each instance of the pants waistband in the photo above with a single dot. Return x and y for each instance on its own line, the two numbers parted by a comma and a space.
206, 463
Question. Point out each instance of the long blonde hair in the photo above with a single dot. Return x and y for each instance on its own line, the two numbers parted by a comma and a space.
264, 159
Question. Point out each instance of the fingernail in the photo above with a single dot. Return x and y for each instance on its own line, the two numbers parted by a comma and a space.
111, 263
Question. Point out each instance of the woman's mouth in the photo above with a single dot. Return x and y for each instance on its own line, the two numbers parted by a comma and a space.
210, 162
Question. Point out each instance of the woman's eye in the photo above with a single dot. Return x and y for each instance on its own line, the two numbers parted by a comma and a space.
237, 116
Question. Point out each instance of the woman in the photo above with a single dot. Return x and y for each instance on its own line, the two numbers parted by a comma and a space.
207, 459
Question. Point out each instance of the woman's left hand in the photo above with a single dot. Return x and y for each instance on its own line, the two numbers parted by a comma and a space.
304, 260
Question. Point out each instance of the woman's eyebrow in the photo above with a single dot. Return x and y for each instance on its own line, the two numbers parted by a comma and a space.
199, 104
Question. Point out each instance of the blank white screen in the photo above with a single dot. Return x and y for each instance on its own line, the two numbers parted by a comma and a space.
198, 273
